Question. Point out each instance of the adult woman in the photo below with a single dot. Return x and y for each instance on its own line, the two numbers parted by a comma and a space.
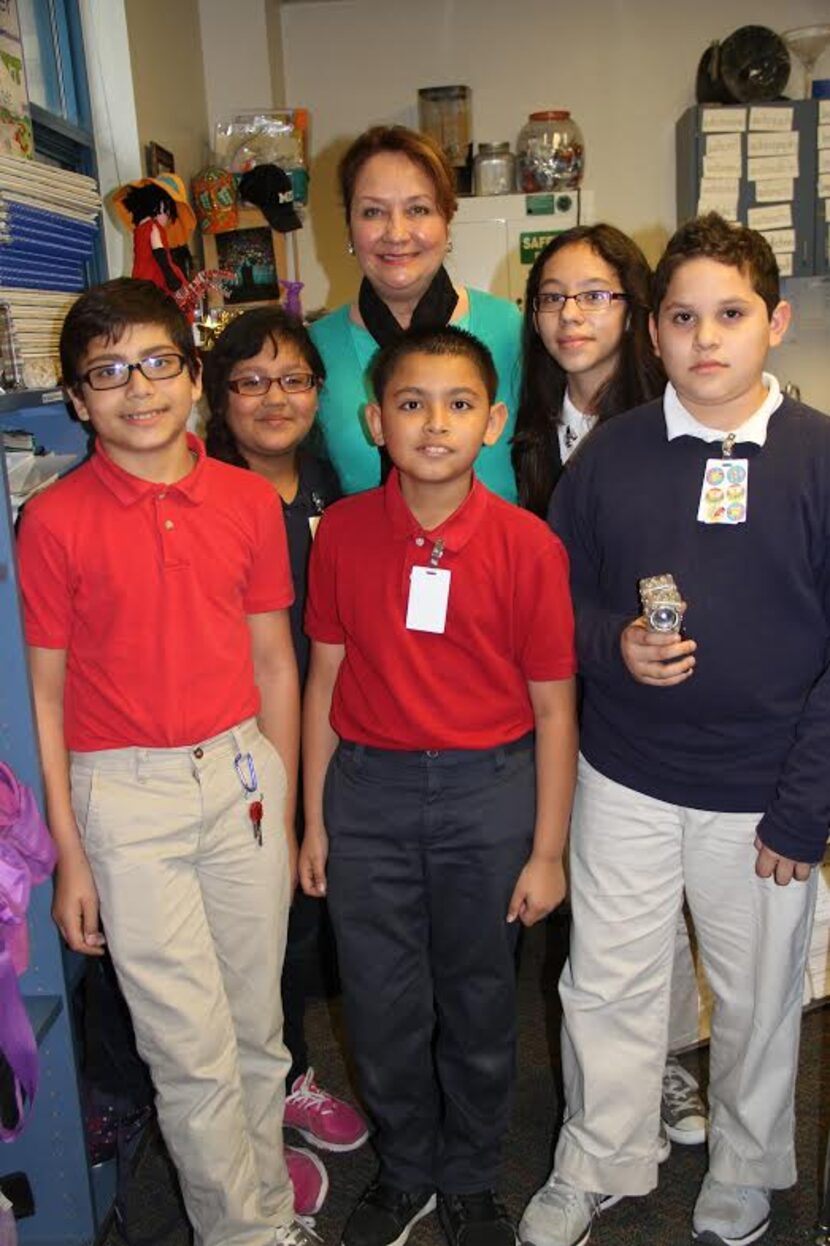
399, 200
587, 354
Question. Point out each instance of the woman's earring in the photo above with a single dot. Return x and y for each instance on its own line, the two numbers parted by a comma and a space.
449, 245
350, 247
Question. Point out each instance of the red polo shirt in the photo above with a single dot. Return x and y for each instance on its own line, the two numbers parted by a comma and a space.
147, 588
509, 620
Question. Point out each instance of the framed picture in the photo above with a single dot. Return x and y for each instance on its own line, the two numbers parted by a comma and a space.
254, 253
159, 160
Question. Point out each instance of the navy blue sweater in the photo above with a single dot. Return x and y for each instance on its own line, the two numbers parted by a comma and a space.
750, 730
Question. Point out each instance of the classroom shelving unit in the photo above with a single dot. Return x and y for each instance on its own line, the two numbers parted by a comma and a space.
71, 1197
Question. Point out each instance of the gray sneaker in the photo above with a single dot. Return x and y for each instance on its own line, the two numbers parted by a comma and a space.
558, 1215
682, 1109
730, 1215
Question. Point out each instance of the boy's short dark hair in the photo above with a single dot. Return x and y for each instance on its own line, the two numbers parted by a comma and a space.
446, 341
107, 310
711, 237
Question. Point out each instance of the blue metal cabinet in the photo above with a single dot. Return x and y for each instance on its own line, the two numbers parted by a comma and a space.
71, 1199
697, 143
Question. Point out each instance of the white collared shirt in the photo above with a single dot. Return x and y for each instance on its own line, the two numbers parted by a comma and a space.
681, 423
573, 425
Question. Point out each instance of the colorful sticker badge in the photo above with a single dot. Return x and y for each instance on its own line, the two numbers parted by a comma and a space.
723, 493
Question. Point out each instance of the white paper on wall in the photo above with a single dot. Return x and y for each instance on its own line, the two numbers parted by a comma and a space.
723, 164
781, 240
725, 206
780, 216
723, 120
774, 190
723, 143
772, 166
772, 144
823, 136
823, 112
771, 119
824, 160
785, 264
824, 186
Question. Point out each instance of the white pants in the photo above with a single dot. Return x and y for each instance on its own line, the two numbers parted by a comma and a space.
631, 857
195, 915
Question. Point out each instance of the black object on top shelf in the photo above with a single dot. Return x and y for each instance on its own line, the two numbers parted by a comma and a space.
750, 66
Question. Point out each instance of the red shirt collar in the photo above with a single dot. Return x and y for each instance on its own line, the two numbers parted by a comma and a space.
455, 531
128, 488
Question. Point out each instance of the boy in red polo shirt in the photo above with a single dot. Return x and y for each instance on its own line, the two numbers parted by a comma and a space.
156, 589
440, 712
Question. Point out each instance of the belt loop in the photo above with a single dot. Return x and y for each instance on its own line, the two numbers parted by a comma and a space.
138, 758
359, 757
501, 757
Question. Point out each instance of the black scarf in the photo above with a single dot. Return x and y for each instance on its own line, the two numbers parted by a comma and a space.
433, 310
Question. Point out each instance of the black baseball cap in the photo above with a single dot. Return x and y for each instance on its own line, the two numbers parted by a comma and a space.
268, 187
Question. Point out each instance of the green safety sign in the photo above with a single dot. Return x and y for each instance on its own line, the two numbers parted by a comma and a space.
530, 244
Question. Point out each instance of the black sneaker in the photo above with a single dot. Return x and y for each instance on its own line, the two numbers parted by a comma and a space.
475, 1220
385, 1216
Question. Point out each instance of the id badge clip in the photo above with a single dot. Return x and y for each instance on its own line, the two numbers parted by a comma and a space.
724, 492
429, 595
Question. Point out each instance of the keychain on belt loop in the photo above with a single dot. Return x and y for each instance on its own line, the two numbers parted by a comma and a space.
437, 552
243, 764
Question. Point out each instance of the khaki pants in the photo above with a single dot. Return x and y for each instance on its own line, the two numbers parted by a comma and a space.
631, 857
195, 915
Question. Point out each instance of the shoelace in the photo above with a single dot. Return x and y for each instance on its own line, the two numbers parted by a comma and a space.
558, 1193
299, 1232
678, 1093
477, 1208
310, 1096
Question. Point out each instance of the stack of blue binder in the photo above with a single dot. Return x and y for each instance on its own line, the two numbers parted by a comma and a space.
49, 220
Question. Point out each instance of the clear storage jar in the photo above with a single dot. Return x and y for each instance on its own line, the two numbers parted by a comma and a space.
550, 152
494, 170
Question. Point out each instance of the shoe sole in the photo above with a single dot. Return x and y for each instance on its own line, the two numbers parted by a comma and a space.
685, 1137
709, 1238
429, 1205
580, 1241
324, 1145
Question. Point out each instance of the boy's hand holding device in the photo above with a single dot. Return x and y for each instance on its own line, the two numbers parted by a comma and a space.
651, 645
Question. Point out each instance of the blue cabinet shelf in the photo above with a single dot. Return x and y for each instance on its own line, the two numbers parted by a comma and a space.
71, 1199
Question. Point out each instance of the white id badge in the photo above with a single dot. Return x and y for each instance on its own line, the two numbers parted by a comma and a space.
429, 595
724, 492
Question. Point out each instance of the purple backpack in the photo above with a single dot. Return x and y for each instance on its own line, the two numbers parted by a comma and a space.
27, 856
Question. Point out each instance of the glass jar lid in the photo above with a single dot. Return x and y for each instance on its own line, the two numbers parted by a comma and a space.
553, 114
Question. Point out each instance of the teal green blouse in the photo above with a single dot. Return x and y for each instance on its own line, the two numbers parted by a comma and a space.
347, 351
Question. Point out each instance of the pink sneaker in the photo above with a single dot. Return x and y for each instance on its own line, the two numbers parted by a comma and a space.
327, 1122
309, 1179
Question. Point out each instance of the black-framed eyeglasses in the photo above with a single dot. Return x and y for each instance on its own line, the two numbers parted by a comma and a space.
254, 386
116, 375
586, 300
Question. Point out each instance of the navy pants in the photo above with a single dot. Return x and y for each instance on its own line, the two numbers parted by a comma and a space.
424, 851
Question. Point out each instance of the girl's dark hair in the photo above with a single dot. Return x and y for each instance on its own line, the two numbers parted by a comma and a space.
638, 376
144, 201
244, 338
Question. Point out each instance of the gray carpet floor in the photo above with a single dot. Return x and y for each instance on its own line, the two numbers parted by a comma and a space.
661, 1219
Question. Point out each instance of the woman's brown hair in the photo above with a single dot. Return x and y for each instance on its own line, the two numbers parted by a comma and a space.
398, 139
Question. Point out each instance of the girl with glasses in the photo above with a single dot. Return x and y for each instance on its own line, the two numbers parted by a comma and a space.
587, 354
262, 381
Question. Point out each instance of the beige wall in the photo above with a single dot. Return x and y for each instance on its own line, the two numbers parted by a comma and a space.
169, 79
240, 53
625, 68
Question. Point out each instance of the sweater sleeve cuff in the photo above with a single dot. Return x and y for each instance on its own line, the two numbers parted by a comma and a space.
797, 845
